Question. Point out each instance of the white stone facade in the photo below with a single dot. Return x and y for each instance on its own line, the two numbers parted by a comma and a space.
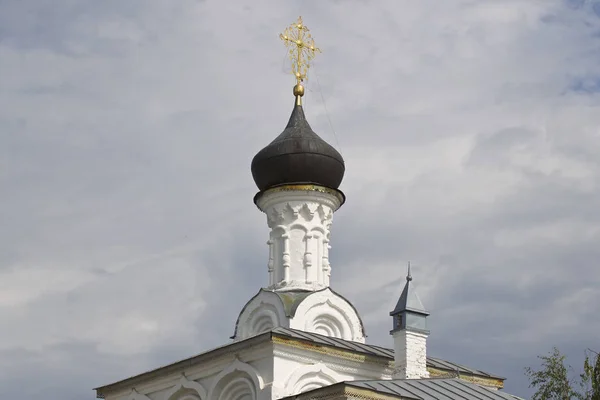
297, 370
225, 378
300, 222
410, 354
266, 372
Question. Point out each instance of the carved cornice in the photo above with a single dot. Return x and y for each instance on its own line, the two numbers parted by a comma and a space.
277, 196
284, 214
300, 190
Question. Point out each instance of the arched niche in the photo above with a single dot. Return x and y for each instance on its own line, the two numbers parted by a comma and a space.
263, 319
263, 312
238, 386
329, 314
311, 377
239, 381
327, 325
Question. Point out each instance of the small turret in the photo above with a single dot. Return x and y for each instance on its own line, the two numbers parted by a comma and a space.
410, 334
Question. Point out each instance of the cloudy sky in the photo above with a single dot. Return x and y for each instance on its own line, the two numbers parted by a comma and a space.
129, 239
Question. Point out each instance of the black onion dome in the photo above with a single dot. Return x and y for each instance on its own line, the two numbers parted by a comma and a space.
298, 156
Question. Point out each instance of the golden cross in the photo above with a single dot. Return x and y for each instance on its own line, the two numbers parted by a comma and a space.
301, 48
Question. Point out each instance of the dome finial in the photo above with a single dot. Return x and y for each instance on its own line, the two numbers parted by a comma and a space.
298, 92
302, 49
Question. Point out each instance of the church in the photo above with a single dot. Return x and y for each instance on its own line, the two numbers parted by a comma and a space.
298, 338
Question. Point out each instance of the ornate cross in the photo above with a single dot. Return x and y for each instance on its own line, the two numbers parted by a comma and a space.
301, 48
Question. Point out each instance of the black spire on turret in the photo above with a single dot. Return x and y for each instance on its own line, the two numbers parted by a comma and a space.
409, 312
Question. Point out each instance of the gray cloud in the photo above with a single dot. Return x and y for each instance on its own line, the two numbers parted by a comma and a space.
129, 235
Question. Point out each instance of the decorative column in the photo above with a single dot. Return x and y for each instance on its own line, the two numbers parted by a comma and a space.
326, 268
270, 264
285, 257
300, 217
308, 258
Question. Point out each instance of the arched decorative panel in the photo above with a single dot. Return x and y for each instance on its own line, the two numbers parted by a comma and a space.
328, 314
239, 381
262, 320
238, 386
263, 312
311, 377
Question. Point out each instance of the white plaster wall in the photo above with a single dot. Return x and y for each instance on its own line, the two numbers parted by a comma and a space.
410, 354
299, 370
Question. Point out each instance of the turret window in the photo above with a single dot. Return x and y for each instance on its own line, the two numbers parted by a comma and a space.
398, 324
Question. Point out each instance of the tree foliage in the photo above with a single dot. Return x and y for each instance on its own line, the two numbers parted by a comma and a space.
552, 381
590, 378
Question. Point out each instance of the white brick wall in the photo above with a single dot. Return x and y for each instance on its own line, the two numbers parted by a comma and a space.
410, 355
